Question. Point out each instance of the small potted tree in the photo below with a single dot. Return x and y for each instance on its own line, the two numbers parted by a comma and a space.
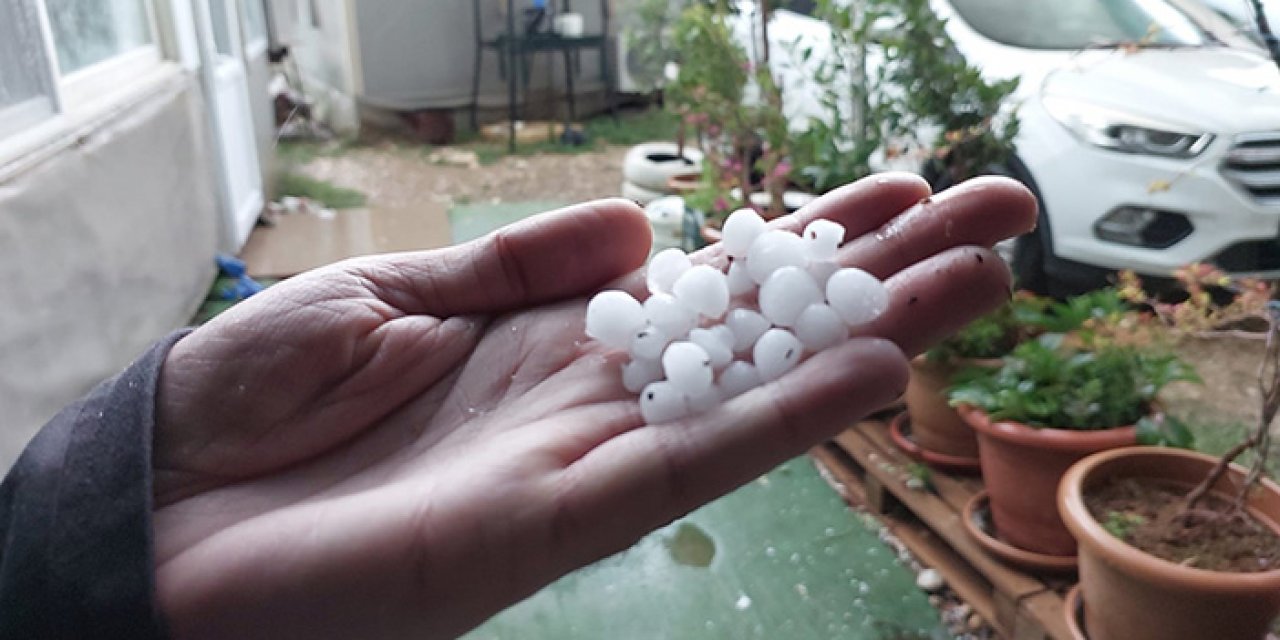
931, 430
1054, 401
1187, 535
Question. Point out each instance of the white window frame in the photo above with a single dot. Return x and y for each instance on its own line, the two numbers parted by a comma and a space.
254, 44
85, 95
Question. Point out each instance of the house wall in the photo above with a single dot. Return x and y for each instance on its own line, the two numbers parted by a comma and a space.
106, 244
413, 57
320, 38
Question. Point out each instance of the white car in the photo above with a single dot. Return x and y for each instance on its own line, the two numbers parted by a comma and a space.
1145, 159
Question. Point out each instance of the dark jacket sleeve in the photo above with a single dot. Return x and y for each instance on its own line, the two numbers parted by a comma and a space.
76, 557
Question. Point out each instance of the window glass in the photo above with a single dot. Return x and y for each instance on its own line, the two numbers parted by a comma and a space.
25, 86
90, 31
221, 27
255, 20
1074, 24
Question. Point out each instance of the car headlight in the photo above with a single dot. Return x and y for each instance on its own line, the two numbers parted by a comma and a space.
1118, 131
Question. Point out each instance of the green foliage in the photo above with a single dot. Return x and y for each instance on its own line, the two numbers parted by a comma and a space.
633, 128
1049, 383
1163, 430
1073, 313
1121, 524
937, 87
923, 85
326, 193
990, 336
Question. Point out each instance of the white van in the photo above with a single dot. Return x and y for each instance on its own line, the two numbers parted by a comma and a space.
1145, 159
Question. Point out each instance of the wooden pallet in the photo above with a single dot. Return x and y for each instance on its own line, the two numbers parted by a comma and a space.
871, 471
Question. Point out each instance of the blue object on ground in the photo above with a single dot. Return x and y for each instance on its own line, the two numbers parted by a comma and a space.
243, 286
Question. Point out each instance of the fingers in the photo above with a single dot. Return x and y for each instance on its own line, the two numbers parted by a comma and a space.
643, 478
551, 256
861, 207
980, 212
933, 299
660, 472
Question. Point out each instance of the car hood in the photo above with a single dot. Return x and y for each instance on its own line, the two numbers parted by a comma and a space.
1214, 90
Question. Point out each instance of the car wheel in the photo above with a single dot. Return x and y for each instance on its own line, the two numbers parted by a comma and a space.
651, 164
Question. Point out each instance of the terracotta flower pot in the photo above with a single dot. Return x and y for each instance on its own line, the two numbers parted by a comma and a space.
1131, 595
935, 426
1021, 467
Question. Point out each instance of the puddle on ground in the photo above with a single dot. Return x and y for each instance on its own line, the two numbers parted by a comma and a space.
691, 546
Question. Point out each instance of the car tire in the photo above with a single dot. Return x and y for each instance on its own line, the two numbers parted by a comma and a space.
639, 194
651, 164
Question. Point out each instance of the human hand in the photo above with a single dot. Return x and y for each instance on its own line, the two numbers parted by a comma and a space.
402, 445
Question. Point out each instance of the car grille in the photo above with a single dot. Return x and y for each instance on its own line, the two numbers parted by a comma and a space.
1253, 164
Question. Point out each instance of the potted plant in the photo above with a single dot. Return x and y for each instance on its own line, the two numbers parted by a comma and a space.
1054, 401
937, 434
1193, 537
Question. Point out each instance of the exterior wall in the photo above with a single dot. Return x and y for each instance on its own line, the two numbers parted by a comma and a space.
413, 57
322, 45
106, 244
258, 74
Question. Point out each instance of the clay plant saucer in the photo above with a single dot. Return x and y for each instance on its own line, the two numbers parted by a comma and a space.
1073, 611
900, 433
978, 524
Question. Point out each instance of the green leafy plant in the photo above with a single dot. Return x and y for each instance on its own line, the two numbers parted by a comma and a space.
1163, 430
994, 334
1049, 382
1121, 524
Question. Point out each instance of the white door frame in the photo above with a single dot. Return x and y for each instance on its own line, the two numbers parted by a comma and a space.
227, 104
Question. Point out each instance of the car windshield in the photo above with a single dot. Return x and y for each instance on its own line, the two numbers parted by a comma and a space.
1077, 24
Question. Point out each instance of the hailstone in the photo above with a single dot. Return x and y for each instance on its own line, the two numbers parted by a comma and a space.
787, 293
662, 401
637, 374
740, 281
613, 318
665, 268
738, 378
739, 230
820, 327
669, 315
648, 343
823, 239
773, 250
776, 352
717, 349
704, 290
857, 296
688, 366
747, 327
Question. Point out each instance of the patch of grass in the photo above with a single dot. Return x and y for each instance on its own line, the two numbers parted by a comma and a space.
633, 128
326, 193
296, 153
1216, 437
214, 304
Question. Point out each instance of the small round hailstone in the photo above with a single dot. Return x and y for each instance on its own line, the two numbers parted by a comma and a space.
857, 296
669, 315
820, 327
688, 366
638, 374
705, 401
613, 318
704, 290
775, 353
823, 238
738, 378
747, 327
740, 282
739, 231
648, 343
662, 401
821, 271
665, 267
786, 294
714, 345
773, 250
723, 334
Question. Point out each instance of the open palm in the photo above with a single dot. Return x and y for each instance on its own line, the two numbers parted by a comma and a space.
402, 445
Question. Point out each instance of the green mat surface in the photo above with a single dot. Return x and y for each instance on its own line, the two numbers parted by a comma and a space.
470, 221
781, 558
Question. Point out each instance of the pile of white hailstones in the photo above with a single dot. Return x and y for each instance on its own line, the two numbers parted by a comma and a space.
704, 336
